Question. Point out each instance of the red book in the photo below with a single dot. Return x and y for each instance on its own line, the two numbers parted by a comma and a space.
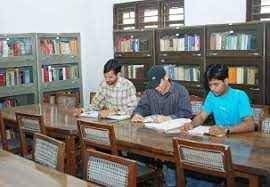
46, 74
2, 79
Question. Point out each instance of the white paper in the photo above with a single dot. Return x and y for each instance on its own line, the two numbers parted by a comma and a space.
199, 130
118, 117
168, 126
90, 114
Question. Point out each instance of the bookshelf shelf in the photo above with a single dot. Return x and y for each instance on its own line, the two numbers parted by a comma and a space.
235, 40
184, 42
59, 63
60, 85
17, 69
135, 51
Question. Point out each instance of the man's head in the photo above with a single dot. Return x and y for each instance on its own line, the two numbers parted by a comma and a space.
111, 70
217, 78
157, 79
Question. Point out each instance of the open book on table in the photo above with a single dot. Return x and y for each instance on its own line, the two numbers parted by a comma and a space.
167, 126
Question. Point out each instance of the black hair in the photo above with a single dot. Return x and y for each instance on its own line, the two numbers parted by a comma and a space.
112, 65
215, 71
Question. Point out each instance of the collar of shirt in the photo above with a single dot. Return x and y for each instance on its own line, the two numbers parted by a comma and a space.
118, 83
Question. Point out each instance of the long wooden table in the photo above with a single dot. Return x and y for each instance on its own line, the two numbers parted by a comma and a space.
250, 151
18, 171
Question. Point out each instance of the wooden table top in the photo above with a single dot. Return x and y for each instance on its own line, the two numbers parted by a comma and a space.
18, 171
250, 151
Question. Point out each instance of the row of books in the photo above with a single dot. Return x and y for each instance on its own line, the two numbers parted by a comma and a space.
243, 75
133, 71
232, 41
50, 47
183, 73
129, 44
15, 47
183, 43
59, 72
15, 76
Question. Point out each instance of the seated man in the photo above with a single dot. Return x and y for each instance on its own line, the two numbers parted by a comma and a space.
230, 107
115, 93
163, 97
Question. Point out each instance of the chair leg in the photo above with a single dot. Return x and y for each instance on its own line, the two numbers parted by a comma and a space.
253, 180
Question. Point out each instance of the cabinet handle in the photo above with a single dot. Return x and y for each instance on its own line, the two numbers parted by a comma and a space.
162, 60
196, 54
214, 54
164, 54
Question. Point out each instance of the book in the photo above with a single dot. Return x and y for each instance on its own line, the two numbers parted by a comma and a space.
168, 126
199, 130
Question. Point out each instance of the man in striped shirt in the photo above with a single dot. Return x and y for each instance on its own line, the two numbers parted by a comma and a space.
115, 93
163, 98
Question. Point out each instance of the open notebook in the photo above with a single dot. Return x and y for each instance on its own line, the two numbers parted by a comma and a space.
168, 126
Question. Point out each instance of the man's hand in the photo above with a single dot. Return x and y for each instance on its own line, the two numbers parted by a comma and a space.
217, 131
77, 112
186, 127
161, 118
106, 112
137, 118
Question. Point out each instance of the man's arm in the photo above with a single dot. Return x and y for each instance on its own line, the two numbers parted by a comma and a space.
198, 120
131, 100
247, 125
184, 106
99, 99
143, 107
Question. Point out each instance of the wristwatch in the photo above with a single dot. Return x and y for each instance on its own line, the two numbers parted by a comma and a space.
227, 131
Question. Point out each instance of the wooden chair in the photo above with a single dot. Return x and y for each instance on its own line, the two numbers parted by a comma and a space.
98, 136
11, 144
67, 100
102, 137
109, 170
28, 124
208, 159
48, 151
266, 126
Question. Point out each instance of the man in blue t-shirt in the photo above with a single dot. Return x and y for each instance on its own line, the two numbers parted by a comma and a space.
230, 107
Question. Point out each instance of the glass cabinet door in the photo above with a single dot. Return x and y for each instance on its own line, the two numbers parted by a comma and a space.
245, 40
133, 44
50, 46
15, 46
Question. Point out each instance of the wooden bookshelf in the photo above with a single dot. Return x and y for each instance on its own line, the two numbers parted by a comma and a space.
18, 80
59, 63
181, 52
241, 48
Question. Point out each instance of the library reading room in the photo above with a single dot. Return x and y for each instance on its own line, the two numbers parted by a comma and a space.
135, 93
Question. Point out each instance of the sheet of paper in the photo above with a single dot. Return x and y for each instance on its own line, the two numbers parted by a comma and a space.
168, 126
199, 130
118, 117
90, 114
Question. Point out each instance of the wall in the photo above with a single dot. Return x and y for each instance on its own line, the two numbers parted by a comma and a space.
94, 24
